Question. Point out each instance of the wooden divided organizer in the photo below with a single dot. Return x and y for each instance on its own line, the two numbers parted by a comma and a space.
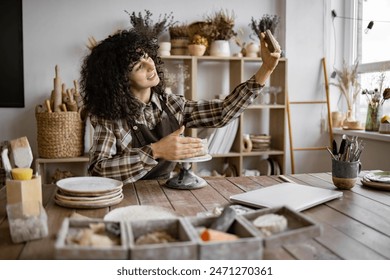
179, 238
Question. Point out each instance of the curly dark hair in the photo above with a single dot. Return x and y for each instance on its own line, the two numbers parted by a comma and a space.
104, 82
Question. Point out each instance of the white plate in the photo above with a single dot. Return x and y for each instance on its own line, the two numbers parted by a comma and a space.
63, 196
86, 185
380, 177
376, 185
139, 212
195, 159
90, 204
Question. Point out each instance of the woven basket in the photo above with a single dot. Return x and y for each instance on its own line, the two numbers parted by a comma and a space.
60, 134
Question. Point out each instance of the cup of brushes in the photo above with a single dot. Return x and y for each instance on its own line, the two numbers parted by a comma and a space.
346, 164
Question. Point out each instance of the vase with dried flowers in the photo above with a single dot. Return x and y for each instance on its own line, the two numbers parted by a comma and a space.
179, 36
375, 107
219, 30
146, 25
349, 86
198, 45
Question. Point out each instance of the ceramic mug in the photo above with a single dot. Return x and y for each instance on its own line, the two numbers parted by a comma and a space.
345, 173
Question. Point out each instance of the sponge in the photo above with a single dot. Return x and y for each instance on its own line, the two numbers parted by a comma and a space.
22, 173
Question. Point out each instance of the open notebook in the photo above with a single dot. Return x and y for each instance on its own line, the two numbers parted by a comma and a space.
296, 196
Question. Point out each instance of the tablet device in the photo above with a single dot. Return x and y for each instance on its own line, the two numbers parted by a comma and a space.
296, 196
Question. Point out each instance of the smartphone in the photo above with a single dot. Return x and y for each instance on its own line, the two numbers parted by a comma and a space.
270, 41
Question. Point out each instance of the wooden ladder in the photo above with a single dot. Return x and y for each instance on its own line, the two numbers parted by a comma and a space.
292, 149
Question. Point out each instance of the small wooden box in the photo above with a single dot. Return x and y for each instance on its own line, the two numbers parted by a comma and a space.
184, 249
19, 191
299, 227
75, 251
249, 246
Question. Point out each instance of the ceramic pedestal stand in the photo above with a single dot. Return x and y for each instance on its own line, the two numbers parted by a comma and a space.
186, 179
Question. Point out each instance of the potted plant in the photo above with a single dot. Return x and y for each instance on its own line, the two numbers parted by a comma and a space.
179, 36
145, 24
198, 45
219, 30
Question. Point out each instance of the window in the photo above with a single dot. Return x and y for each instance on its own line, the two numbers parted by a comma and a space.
372, 48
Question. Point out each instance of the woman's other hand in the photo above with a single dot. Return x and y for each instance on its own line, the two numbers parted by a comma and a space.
174, 146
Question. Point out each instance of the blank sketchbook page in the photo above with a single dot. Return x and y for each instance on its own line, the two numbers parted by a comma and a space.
296, 196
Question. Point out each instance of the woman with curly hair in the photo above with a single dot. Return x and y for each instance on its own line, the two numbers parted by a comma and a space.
137, 125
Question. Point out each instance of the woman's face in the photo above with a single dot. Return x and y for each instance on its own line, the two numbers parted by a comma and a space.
143, 74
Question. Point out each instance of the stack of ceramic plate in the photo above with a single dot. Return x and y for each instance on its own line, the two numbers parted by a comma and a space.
269, 167
377, 180
260, 142
88, 192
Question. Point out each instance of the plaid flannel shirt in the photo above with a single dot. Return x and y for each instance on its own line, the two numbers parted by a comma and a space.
112, 155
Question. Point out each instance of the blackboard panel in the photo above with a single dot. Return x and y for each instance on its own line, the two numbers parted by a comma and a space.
11, 54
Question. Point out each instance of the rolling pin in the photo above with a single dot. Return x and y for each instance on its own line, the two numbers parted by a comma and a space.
71, 103
57, 91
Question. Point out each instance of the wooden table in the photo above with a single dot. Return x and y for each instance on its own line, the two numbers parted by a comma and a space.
356, 226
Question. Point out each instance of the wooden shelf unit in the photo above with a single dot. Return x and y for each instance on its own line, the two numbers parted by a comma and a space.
274, 121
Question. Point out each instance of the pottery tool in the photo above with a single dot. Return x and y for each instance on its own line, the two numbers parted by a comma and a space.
57, 98
21, 153
225, 220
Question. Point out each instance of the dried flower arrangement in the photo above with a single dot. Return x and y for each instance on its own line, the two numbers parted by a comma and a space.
220, 25
348, 83
266, 22
375, 98
178, 30
199, 40
145, 24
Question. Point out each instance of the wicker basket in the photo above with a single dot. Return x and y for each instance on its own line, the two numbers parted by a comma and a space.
60, 134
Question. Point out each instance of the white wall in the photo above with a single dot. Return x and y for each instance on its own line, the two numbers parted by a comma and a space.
56, 32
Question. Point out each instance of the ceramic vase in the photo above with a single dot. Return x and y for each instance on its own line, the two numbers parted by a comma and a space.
164, 48
220, 48
373, 119
196, 50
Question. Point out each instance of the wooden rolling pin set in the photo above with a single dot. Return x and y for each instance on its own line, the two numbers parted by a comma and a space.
62, 99
60, 122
